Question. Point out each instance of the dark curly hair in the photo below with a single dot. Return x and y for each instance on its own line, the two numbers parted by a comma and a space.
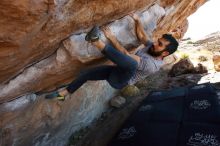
173, 45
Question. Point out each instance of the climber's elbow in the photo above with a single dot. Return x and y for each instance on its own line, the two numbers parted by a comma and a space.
144, 39
135, 57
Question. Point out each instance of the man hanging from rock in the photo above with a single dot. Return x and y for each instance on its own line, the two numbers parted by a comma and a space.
129, 68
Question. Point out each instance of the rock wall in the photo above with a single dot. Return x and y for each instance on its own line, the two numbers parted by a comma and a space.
32, 120
42, 47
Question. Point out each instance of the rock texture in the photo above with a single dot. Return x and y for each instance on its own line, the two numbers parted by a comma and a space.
216, 60
31, 30
42, 47
42, 58
185, 66
32, 120
176, 16
117, 101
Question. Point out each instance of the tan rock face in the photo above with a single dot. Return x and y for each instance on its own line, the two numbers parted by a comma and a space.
42, 47
55, 70
177, 15
180, 30
73, 55
216, 61
32, 30
20, 22
166, 3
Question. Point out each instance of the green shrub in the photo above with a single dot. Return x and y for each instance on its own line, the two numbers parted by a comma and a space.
184, 56
190, 42
202, 58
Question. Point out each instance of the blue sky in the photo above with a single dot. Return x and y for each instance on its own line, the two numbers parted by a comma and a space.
204, 21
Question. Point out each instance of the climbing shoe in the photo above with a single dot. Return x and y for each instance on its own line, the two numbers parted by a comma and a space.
55, 95
93, 35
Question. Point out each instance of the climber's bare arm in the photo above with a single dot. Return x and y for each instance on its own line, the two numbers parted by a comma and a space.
139, 28
108, 34
117, 45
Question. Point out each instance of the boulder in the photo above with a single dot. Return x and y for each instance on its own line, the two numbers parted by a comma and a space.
117, 101
130, 91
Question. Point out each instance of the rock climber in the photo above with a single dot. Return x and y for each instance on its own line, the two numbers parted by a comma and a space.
128, 68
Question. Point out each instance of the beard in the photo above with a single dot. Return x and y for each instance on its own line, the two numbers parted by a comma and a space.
154, 53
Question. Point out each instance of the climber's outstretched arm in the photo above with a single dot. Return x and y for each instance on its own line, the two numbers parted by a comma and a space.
113, 40
117, 45
139, 28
